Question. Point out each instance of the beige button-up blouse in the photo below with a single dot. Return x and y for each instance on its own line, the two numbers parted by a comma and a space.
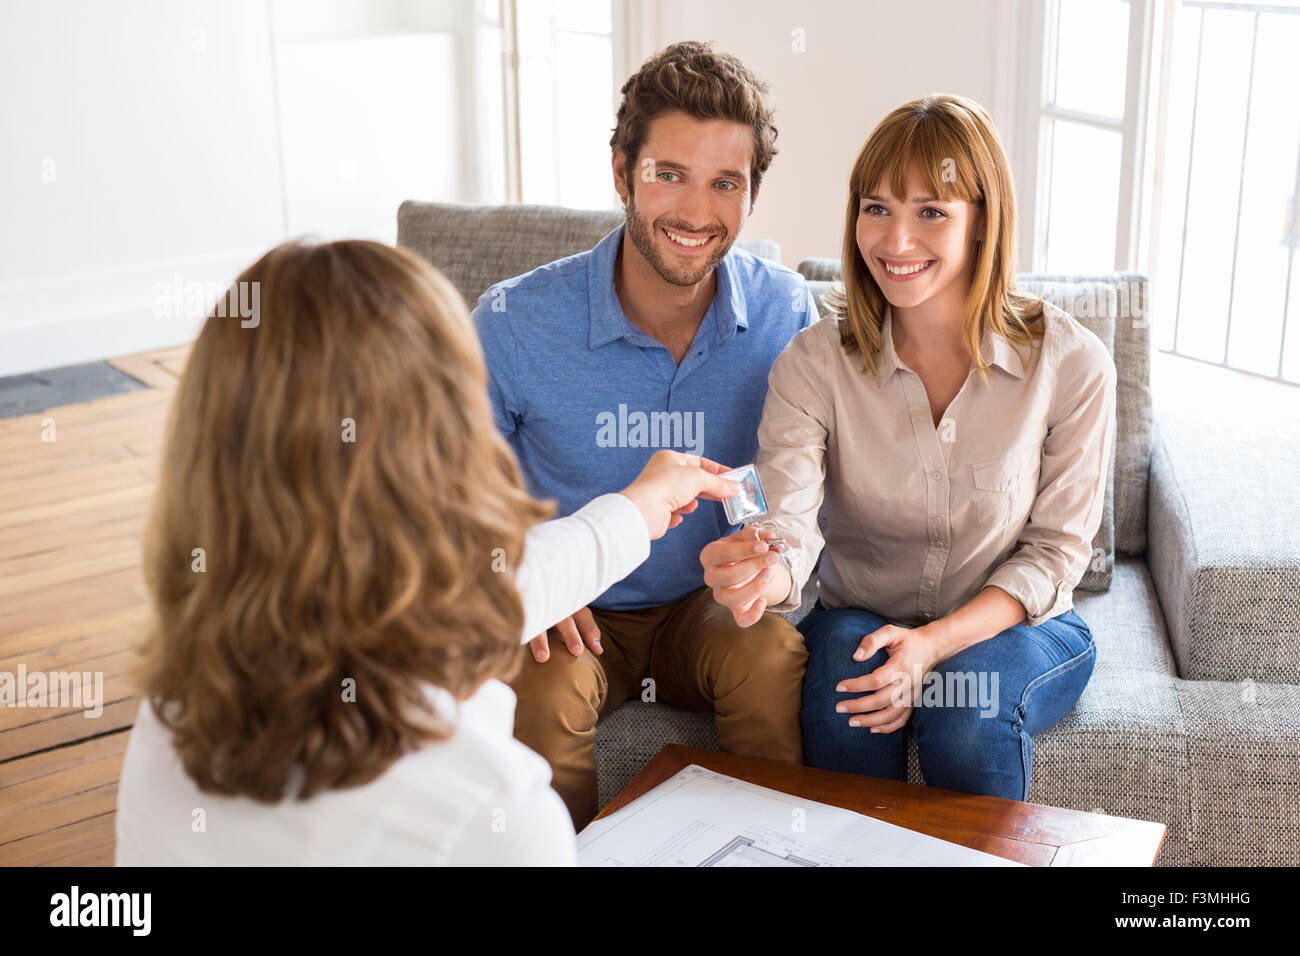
1007, 491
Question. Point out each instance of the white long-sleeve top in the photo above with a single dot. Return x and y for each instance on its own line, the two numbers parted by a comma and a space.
477, 798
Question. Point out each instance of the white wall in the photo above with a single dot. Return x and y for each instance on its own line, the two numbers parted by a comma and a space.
145, 140
862, 59
126, 156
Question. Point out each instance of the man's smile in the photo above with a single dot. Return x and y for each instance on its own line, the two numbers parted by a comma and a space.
688, 242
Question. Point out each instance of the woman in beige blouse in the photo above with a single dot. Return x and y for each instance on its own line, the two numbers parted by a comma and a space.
959, 433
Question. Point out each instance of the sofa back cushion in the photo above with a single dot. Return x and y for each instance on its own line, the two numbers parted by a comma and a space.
1127, 311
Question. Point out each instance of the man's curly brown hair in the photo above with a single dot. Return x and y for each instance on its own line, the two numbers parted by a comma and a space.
701, 82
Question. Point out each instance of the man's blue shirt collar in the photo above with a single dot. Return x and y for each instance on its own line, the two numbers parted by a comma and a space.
608, 321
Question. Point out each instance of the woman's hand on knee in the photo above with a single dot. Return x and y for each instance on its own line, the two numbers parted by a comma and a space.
891, 689
745, 574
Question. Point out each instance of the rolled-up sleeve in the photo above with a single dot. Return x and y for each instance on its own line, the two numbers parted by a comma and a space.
1055, 546
792, 454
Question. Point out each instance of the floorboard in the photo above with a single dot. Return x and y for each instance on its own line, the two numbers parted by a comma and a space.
72, 517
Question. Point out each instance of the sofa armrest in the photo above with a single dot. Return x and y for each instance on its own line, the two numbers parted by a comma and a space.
1224, 549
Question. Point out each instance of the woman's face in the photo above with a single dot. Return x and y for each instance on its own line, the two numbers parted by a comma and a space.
917, 247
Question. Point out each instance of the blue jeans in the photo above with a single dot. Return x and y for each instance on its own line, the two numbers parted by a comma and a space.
985, 702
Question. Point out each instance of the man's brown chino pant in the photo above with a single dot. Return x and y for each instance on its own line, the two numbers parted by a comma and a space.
694, 655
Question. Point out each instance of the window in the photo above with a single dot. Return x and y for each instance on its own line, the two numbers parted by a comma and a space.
1083, 128
1227, 255
566, 100
471, 101
1169, 143
367, 112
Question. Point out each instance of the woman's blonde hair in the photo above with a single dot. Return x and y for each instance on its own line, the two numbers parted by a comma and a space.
953, 143
359, 517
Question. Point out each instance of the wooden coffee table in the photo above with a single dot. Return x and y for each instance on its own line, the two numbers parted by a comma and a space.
1024, 832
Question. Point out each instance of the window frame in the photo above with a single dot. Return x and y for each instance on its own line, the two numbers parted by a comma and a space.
1039, 27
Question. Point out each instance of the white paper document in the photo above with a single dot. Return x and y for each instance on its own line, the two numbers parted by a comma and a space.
702, 818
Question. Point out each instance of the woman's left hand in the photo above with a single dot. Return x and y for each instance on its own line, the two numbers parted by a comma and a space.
895, 684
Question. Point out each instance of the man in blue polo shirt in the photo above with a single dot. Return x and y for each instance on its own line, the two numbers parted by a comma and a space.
662, 336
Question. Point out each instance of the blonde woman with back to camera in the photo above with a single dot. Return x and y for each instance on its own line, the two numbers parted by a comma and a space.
326, 685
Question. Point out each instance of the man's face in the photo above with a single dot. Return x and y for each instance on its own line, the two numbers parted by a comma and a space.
690, 194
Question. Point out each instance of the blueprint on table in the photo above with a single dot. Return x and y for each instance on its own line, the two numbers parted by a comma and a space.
702, 818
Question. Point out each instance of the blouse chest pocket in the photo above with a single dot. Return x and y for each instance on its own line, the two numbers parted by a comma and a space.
1005, 489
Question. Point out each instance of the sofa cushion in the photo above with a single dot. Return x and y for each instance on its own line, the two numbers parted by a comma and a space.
478, 246
821, 270
1225, 540
628, 739
1243, 747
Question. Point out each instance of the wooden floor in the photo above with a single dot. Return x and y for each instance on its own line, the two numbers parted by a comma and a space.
72, 599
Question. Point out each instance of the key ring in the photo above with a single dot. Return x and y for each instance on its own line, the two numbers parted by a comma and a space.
777, 544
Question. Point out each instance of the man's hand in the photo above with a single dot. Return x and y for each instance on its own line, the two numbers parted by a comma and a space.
575, 631
744, 574
669, 485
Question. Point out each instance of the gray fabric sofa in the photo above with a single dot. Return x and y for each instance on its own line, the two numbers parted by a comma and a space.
1192, 715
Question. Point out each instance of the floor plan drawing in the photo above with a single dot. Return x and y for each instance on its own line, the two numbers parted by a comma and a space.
702, 818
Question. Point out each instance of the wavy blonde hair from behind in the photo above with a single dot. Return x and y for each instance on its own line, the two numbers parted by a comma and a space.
384, 560
953, 143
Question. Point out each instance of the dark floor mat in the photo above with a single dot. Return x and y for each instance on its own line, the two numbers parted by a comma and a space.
37, 391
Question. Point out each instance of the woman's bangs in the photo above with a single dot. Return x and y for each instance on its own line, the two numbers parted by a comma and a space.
895, 151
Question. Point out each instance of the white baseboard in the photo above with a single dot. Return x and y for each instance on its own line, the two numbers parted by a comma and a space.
91, 338
67, 320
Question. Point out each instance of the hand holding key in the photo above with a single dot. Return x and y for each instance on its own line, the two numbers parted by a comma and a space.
746, 573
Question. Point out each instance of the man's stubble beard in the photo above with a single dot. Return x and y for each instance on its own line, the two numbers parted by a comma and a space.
642, 235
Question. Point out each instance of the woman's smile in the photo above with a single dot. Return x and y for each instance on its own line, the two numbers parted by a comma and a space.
905, 270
